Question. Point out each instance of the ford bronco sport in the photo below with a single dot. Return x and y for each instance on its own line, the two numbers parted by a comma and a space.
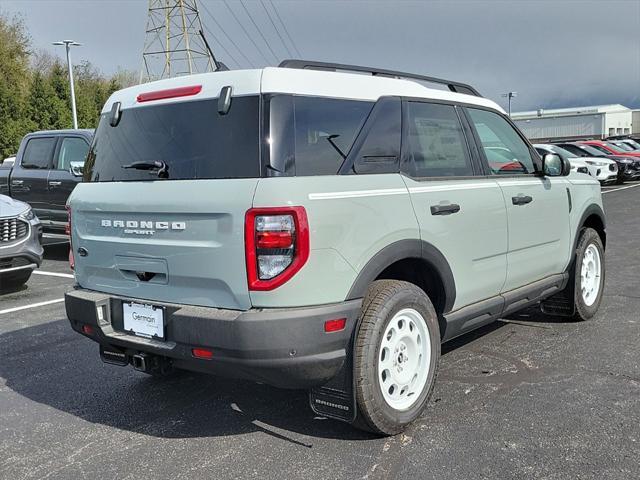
311, 226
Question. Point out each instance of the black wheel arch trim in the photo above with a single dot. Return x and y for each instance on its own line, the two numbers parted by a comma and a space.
593, 209
401, 250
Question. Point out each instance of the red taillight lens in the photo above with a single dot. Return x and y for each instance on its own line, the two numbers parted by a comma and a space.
169, 93
87, 329
277, 245
202, 353
335, 325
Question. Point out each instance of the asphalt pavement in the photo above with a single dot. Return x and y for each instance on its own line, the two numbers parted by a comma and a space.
528, 397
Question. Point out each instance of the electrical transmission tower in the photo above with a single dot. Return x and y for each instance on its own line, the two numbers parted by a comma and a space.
174, 43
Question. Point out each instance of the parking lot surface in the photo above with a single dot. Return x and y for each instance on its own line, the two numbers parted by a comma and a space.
527, 397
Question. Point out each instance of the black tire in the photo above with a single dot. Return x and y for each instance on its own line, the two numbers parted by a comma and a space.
588, 236
383, 300
619, 181
15, 279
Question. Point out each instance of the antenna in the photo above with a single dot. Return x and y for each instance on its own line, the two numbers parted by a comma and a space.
173, 44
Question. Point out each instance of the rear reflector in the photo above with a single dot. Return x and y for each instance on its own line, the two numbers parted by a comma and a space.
87, 329
335, 325
169, 93
202, 353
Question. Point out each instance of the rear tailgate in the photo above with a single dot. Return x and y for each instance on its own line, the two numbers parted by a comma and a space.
170, 241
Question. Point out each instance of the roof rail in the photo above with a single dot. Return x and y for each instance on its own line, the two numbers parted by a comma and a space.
313, 65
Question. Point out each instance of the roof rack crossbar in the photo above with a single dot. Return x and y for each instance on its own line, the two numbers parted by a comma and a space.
313, 65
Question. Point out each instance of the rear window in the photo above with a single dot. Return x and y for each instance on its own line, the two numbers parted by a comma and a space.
191, 138
313, 136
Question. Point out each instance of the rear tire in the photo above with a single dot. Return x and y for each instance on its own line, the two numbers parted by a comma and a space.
397, 349
588, 275
15, 279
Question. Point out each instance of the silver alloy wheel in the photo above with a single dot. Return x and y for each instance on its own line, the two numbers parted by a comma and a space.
404, 359
590, 274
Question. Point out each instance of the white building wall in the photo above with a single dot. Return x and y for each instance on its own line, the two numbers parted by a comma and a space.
618, 123
563, 127
635, 122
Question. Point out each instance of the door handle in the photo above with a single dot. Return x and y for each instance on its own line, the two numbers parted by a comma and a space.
445, 209
17, 182
55, 183
521, 199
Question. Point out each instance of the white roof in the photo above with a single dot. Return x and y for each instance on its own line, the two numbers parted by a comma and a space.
571, 111
292, 81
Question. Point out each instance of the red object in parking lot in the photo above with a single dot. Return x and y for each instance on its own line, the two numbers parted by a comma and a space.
609, 148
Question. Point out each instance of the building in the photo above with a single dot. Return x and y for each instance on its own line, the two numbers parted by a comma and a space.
577, 123
635, 122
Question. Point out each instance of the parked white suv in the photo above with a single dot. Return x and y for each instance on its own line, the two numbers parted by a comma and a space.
602, 169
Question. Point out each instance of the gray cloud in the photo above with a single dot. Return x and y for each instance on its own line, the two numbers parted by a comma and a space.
553, 53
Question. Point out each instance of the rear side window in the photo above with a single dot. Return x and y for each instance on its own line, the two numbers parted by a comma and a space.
506, 152
436, 143
191, 138
313, 136
37, 153
72, 149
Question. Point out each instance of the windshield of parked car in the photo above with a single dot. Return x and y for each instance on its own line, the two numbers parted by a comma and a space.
632, 143
562, 152
594, 152
624, 146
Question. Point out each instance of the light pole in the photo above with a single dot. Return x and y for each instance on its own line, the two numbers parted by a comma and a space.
510, 95
68, 44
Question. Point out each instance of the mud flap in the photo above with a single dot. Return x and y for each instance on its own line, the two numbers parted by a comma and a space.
336, 399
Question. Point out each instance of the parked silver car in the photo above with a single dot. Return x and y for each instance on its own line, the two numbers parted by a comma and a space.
20, 248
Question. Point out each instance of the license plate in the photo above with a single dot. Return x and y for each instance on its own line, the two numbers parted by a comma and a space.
143, 320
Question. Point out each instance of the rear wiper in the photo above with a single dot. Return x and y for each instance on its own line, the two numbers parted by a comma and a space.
163, 168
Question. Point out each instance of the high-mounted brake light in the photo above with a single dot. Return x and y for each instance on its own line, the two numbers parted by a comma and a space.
277, 245
169, 93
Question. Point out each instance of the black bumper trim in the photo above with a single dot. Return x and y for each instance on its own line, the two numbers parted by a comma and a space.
285, 347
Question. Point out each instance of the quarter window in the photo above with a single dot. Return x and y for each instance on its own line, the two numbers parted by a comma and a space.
312, 135
506, 152
37, 153
436, 142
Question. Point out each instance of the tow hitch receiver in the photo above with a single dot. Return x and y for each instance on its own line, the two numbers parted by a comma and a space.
147, 363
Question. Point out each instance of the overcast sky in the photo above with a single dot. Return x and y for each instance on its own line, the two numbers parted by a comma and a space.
553, 53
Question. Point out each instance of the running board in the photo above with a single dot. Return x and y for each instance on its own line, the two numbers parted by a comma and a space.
336, 399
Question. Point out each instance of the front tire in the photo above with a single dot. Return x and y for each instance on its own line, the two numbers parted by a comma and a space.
588, 275
15, 279
397, 349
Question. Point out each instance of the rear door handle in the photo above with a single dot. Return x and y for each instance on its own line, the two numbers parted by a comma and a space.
445, 209
55, 183
521, 199
17, 182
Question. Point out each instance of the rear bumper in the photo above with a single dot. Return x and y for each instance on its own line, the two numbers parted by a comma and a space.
281, 347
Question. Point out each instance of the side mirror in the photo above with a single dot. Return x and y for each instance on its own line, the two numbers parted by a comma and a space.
76, 168
554, 166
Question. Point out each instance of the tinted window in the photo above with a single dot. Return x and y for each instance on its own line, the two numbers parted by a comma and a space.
379, 150
72, 149
599, 149
37, 153
436, 144
191, 138
313, 136
506, 152
574, 149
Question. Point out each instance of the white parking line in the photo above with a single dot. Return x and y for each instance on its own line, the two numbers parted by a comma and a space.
622, 188
33, 305
53, 274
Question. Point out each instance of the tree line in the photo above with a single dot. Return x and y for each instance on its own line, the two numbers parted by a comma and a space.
34, 88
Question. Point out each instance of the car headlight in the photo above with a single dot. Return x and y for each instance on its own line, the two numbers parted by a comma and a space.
595, 163
28, 214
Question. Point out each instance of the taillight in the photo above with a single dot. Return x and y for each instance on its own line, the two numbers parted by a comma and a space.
277, 245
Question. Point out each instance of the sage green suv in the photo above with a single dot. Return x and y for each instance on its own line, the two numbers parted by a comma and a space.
321, 226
